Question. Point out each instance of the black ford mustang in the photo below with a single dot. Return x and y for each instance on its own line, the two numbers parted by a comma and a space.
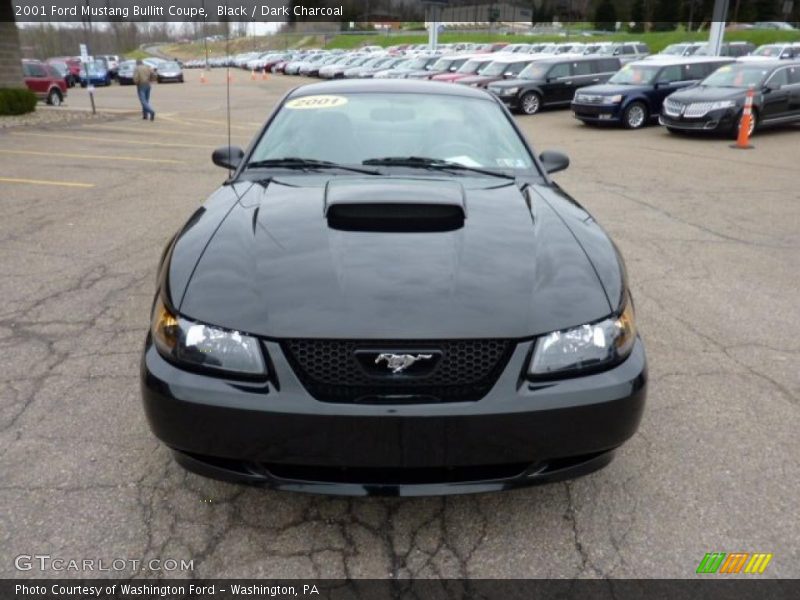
390, 296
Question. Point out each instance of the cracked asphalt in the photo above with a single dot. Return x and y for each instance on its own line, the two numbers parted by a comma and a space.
711, 236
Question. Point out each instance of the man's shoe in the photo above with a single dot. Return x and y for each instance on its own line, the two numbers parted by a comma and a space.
144, 117
152, 116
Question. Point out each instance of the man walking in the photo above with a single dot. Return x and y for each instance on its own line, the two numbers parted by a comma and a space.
141, 78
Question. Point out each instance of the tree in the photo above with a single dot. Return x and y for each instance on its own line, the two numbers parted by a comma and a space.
605, 16
767, 10
638, 16
666, 15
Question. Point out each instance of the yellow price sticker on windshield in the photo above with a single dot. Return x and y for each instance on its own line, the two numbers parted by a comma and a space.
313, 102
724, 69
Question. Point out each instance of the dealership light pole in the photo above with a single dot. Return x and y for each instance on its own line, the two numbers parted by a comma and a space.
718, 18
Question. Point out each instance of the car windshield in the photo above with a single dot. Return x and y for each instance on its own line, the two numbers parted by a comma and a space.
675, 49
170, 66
738, 76
635, 75
442, 64
357, 127
471, 66
498, 68
770, 50
416, 63
533, 71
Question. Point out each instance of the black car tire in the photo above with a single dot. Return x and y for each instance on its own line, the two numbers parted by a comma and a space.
530, 103
635, 116
54, 98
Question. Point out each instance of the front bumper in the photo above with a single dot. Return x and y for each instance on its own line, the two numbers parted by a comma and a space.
597, 113
714, 121
521, 433
511, 101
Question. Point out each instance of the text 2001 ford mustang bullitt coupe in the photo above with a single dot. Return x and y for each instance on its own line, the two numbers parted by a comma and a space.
390, 296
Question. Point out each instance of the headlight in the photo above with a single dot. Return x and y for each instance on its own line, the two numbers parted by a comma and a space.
201, 345
722, 104
585, 347
509, 91
612, 99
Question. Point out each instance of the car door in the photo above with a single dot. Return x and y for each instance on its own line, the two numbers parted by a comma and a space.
794, 91
669, 79
36, 78
558, 84
584, 72
776, 95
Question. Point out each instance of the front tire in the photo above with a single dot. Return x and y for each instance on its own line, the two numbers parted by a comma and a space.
530, 103
54, 98
635, 116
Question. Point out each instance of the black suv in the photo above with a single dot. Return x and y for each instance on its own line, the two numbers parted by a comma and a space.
553, 81
716, 104
633, 96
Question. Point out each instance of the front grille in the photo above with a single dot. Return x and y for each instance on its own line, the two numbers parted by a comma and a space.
589, 99
672, 108
329, 370
698, 109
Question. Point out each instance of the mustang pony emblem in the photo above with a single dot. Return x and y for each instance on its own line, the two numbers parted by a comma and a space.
400, 362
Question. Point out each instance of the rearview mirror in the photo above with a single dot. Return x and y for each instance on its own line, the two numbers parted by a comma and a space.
554, 161
227, 157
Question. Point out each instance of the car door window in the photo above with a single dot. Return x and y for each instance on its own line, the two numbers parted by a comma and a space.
670, 74
37, 71
695, 71
558, 71
794, 75
778, 79
626, 49
582, 68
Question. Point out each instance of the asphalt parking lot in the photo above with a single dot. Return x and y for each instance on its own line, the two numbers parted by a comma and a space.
711, 236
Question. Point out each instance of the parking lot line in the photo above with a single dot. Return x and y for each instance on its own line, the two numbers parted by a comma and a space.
156, 131
193, 122
93, 156
45, 182
108, 139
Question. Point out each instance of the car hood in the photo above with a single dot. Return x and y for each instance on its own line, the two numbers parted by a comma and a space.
510, 83
276, 267
703, 93
469, 80
610, 89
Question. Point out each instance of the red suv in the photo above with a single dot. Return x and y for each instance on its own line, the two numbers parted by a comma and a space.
44, 81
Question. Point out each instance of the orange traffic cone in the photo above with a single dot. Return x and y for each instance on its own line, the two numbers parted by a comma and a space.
743, 140
230, 78
264, 76
202, 77
253, 75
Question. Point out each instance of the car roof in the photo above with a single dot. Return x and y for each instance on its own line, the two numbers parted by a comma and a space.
379, 86
768, 63
664, 60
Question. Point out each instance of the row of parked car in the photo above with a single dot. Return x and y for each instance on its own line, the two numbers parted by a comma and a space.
682, 87
51, 79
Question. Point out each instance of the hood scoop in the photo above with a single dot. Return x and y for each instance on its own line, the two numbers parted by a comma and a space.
398, 205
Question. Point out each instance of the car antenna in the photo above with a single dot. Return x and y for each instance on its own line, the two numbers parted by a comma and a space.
228, 80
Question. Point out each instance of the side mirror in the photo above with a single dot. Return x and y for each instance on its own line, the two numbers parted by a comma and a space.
554, 161
227, 157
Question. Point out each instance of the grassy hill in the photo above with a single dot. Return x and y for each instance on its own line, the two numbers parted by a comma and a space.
656, 41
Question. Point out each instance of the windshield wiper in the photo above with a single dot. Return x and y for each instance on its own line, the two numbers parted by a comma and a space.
292, 162
423, 162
